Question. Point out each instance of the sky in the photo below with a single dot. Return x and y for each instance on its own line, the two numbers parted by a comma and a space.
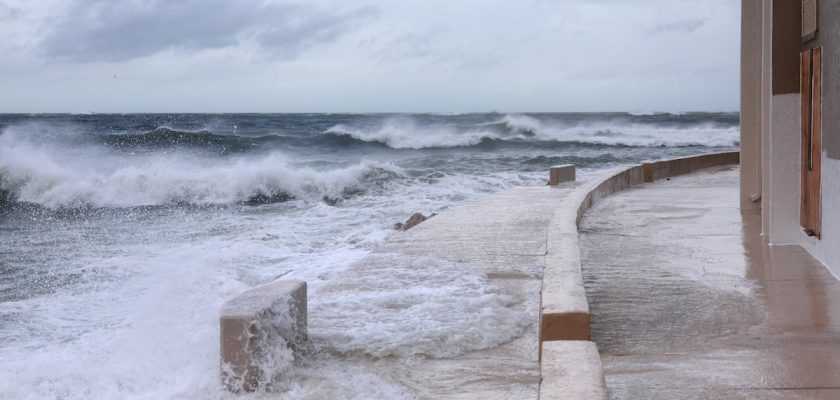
369, 56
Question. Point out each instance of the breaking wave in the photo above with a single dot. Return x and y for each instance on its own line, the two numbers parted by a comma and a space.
43, 175
403, 133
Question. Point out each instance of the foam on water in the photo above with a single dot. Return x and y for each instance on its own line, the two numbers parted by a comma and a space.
154, 332
409, 311
405, 133
37, 173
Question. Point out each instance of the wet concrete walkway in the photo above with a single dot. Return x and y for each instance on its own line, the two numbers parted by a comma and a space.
450, 308
687, 303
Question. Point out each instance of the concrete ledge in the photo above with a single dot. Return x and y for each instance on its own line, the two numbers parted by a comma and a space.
561, 173
564, 311
571, 370
257, 326
680, 166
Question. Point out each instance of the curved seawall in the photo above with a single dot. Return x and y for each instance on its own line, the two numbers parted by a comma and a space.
454, 304
564, 311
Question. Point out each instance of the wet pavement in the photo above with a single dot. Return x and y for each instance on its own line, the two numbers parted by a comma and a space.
688, 303
450, 308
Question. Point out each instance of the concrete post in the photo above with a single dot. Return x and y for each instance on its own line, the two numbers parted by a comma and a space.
253, 323
751, 64
561, 173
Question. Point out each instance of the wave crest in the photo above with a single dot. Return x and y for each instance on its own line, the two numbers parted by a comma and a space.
516, 129
40, 175
406, 134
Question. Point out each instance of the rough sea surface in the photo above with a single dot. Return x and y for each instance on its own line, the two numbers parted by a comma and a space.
122, 235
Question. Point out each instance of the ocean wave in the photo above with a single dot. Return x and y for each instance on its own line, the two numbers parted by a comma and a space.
164, 137
170, 137
414, 133
652, 113
517, 125
40, 175
405, 133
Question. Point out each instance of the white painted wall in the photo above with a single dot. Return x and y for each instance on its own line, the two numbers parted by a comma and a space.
827, 249
784, 170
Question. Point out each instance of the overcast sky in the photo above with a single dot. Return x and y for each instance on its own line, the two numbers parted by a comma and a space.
367, 56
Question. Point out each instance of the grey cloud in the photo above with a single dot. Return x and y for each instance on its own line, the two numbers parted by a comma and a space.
107, 30
8, 12
686, 26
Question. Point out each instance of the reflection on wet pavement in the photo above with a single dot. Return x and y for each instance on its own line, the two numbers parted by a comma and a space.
688, 303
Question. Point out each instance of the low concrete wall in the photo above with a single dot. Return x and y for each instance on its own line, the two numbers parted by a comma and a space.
255, 326
680, 166
571, 369
564, 311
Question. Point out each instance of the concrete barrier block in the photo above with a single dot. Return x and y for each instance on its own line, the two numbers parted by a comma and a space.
561, 173
571, 370
257, 324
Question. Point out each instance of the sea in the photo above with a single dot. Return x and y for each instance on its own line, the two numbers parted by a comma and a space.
121, 235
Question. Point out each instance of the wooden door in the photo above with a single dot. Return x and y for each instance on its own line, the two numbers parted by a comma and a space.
811, 92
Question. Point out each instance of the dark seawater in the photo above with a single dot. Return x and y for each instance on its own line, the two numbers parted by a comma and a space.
121, 235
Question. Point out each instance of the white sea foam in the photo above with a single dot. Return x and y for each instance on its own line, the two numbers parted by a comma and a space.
411, 311
47, 175
153, 332
641, 135
405, 133
522, 124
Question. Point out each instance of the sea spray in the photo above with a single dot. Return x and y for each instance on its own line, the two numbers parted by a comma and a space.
31, 173
520, 130
409, 312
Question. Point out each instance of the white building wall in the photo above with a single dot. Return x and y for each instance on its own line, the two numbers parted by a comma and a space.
827, 248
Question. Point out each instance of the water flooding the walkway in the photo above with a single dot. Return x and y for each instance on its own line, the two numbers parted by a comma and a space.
687, 303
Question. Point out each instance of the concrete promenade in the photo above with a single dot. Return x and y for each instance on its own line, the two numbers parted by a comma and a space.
500, 240
688, 303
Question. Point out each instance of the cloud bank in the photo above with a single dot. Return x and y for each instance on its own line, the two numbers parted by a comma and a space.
107, 30
368, 56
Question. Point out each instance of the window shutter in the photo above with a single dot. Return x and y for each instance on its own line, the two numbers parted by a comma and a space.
809, 20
